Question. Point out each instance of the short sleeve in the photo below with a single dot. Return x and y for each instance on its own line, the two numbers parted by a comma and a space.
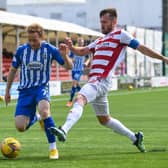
128, 39
16, 58
92, 46
56, 55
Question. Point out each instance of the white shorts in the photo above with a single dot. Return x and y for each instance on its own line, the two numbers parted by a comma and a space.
96, 94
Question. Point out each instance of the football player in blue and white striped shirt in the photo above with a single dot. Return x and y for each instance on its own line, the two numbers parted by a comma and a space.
79, 63
34, 60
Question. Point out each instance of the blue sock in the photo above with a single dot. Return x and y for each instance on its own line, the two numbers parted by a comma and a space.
49, 122
78, 88
32, 121
72, 94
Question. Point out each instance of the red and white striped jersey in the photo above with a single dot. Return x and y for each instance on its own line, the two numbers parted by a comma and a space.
109, 52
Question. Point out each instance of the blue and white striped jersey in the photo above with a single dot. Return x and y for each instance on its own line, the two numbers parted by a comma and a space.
35, 64
78, 62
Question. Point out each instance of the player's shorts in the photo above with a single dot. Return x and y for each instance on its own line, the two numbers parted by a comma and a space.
96, 93
76, 75
29, 98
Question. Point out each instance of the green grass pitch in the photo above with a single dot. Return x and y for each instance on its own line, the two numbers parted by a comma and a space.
89, 145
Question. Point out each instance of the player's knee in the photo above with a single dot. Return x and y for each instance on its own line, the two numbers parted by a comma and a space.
21, 123
103, 119
44, 114
81, 99
20, 128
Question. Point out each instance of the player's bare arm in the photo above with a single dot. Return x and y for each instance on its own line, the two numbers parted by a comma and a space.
10, 80
151, 53
81, 51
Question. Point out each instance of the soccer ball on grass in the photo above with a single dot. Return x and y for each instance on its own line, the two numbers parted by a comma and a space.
130, 87
10, 147
1, 98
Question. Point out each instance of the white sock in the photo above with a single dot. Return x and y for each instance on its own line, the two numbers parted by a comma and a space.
119, 128
38, 116
52, 146
73, 116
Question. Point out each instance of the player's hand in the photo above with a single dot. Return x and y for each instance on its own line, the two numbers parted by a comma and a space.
7, 98
85, 65
63, 49
68, 42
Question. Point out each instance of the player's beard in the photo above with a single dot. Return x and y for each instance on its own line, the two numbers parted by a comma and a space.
106, 30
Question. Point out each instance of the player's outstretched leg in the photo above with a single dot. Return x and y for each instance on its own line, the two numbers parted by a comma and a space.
73, 116
118, 127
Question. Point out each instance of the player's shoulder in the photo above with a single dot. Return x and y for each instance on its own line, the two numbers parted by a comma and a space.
125, 32
22, 47
120, 33
117, 32
46, 44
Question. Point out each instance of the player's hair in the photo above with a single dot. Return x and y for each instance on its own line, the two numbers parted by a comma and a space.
36, 28
111, 11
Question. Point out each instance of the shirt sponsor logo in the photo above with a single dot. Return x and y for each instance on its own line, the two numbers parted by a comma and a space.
35, 65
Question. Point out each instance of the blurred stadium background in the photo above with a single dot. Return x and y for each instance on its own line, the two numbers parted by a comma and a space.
140, 109
144, 19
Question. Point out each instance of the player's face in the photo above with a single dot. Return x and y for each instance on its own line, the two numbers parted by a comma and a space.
80, 42
34, 40
107, 24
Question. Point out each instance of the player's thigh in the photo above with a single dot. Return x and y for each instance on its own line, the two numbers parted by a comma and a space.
25, 109
42, 99
89, 92
101, 106
42, 93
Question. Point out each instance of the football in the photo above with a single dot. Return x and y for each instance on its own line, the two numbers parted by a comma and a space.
10, 147
1, 98
130, 87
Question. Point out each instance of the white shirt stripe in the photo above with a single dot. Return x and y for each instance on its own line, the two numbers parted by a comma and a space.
96, 70
24, 69
100, 61
38, 72
103, 52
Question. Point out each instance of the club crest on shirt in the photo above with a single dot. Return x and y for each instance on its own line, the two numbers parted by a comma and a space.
35, 65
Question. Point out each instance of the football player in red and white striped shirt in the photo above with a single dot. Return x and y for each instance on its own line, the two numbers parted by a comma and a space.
109, 52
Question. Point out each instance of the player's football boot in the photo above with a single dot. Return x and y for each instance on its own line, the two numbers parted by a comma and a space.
59, 133
53, 154
69, 104
139, 141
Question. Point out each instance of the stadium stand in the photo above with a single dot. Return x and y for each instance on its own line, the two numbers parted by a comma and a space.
63, 74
